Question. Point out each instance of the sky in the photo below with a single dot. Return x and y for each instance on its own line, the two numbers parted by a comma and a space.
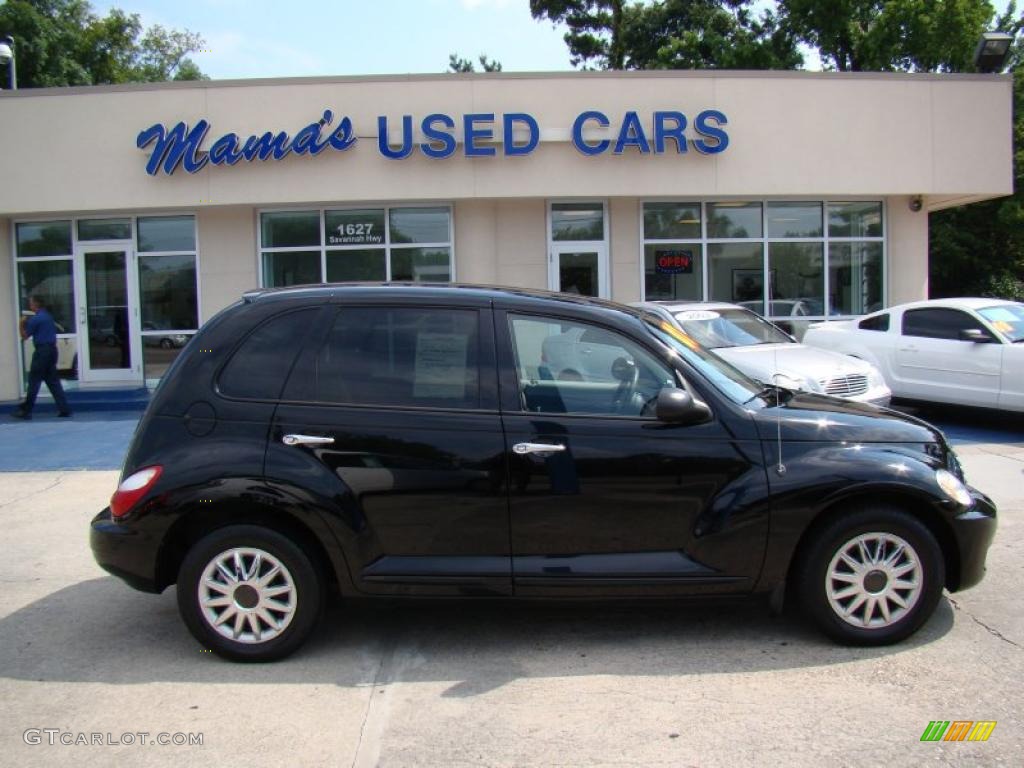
271, 38
268, 38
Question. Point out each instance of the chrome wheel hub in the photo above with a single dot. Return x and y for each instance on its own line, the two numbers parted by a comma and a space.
874, 580
247, 595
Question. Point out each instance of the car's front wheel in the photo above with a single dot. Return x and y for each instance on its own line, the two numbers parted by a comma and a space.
249, 593
872, 577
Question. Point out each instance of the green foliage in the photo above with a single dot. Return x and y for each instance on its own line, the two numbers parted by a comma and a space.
887, 35
457, 64
63, 42
671, 34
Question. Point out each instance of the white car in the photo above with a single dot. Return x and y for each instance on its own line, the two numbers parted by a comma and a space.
763, 352
960, 351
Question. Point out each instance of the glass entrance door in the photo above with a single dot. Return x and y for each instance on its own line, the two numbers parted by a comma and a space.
579, 269
109, 339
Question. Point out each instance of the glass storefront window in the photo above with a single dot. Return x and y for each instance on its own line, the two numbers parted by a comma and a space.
575, 222
166, 233
431, 265
855, 277
796, 279
863, 219
168, 294
357, 264
786, 219
104, 229
52, 281
673, 271
736, 274
362, 227
419, 225
671, 221
289, 229
43, 238
734, 220
291, 268
356, 245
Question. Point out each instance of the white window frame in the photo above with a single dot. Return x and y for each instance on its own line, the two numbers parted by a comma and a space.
604, 278
131, 244
323, 247
705, 241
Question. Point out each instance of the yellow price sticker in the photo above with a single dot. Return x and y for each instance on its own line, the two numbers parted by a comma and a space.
679, 335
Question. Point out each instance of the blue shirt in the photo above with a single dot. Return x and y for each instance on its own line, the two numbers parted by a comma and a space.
41, 328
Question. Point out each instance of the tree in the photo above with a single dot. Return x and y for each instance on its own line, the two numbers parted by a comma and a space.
671, 34
978, 249
63, 42
707, 34
457, 64
887, 35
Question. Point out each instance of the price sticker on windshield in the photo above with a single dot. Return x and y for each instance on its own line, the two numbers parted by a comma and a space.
697, 314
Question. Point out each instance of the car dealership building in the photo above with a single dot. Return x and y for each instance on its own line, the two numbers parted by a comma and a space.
137, 212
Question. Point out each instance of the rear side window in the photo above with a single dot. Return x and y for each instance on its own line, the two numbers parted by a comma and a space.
876, 323
259, 367
937, 323
419, 356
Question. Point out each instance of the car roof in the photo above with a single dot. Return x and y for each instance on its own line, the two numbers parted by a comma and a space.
482, 294
962, 302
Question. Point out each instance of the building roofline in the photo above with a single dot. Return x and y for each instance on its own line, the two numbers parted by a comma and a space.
670, 74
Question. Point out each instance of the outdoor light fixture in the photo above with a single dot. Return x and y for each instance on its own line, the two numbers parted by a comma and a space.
992, 52
7, 56
916, 203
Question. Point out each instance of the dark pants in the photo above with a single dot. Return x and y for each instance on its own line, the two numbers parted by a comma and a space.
44, 368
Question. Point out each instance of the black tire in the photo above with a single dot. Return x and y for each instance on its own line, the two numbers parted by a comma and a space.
883, 524
306, 591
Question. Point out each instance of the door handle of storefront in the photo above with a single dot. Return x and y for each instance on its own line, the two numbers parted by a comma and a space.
307, 440
524, 449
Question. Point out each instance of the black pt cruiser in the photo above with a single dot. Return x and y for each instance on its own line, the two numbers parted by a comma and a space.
479, 442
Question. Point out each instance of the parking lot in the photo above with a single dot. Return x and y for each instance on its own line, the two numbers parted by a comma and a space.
482, 684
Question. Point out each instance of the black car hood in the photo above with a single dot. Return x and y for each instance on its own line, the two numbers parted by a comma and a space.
816, 418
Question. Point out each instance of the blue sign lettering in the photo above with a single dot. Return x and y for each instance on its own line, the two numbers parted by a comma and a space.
181, 146
577, 133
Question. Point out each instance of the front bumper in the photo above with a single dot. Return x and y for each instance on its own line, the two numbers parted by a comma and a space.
879, 396
123, 552
974, 530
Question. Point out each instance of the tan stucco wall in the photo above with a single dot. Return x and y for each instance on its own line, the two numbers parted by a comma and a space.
227, 257
810, 134
906, 252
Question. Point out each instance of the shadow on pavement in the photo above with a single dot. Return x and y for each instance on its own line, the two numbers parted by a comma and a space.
970, 425
100, 631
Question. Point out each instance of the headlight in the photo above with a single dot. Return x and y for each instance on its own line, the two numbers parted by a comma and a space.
875, 378
953, 488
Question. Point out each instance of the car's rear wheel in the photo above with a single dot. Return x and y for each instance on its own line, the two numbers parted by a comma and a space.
872, 577
249, 593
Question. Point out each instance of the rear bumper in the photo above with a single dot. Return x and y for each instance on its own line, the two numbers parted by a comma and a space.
974, 530
123, 552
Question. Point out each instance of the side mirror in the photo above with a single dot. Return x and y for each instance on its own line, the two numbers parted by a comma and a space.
976, 335
677, 406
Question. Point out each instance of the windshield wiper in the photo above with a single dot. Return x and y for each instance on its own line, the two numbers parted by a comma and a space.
771, 392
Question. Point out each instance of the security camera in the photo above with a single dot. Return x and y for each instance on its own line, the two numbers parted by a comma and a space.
915, 203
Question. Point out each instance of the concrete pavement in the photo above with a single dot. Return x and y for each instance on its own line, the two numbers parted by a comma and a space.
455, 684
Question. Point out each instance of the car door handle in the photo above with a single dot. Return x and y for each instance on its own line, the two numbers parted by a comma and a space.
307, 440
525, 448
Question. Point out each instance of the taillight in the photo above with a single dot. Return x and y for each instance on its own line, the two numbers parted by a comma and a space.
133, 488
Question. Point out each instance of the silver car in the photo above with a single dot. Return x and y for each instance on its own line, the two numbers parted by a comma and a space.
767, 354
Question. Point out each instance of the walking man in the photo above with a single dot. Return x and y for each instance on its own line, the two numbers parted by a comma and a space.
43, 331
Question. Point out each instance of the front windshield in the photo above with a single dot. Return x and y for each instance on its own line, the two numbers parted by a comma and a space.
1008, 319
728, 380
719, 328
